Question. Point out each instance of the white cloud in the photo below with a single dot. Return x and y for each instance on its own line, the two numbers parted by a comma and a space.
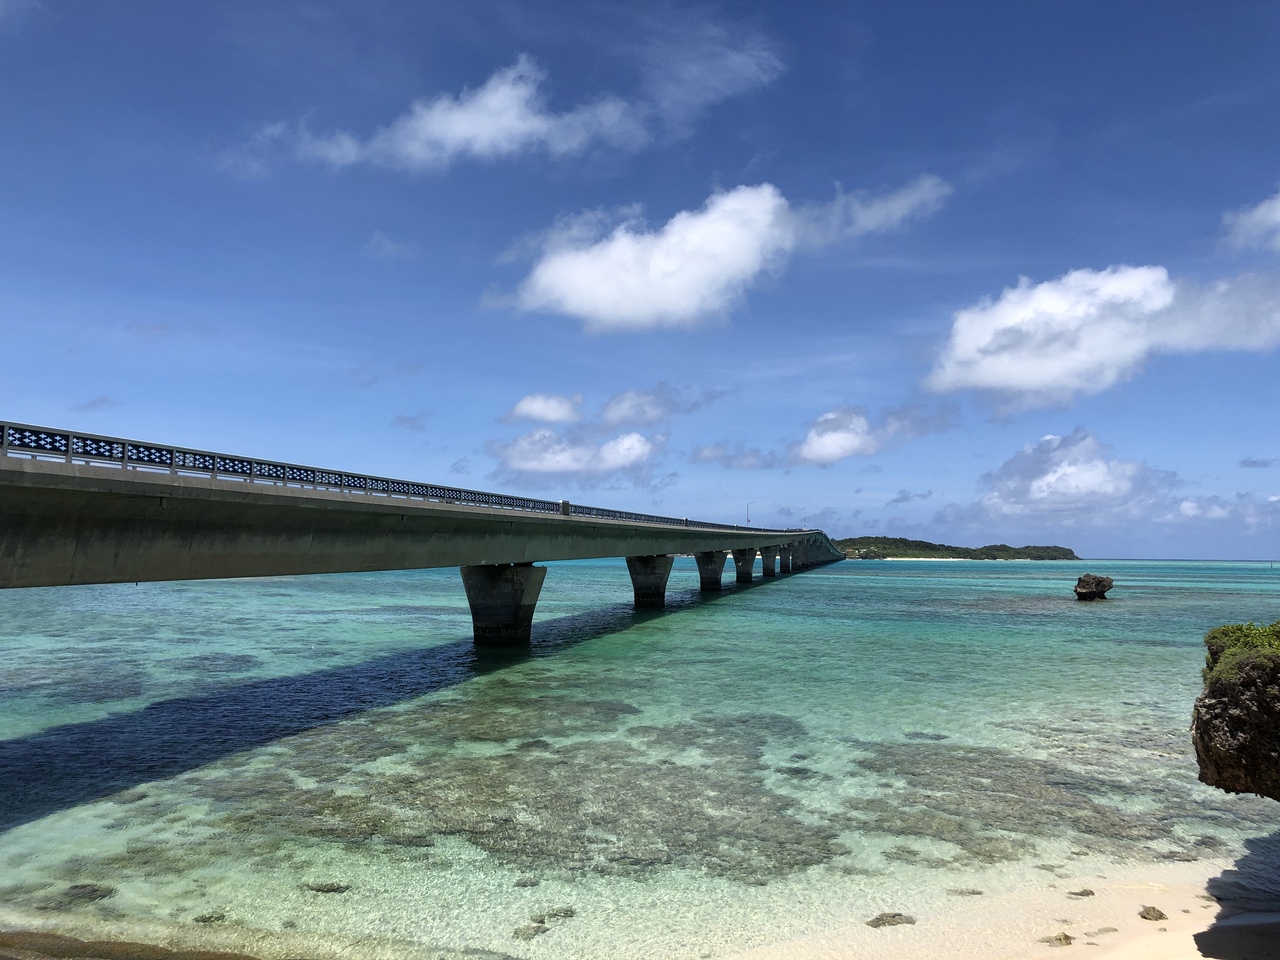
653, 406
251, 160
836, 435
544, 451
847, 432
1059, 487
738, 457
504, 116
1257, 226
382, 247
547, 408
700, 262
855, 214
691, 66
1089, 329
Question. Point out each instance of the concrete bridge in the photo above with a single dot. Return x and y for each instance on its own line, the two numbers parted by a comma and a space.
82, 508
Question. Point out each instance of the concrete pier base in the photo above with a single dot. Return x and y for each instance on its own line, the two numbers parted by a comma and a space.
769, 557
744, 560
710, 569
784, 559
799, 557
649, 578
502, 599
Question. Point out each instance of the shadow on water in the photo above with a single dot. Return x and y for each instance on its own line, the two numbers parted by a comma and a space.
66, 766
1251, 886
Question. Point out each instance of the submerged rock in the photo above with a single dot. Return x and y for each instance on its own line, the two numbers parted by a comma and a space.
1091, 587
327, 887
1152, 913
890, 920
1235, 724
1086, 892
530, 930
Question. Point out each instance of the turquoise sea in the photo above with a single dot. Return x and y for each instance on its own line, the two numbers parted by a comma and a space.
223, 758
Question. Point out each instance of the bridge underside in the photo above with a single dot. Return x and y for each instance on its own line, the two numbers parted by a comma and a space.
73, 524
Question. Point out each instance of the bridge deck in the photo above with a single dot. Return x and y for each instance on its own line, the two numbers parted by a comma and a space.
91, 516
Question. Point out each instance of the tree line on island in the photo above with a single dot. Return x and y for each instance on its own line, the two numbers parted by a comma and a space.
900, 548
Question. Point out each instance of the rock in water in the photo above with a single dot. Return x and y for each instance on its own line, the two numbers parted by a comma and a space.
1152, 913
1235, 725
1090, 587
890, 920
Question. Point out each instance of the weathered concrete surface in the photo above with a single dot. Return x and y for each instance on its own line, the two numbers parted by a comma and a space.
769, 561
63, 524
784, 559
502, 600
649, 579
711, 569
744, 561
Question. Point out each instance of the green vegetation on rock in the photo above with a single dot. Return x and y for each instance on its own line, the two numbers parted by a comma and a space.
1235, 646
885, 548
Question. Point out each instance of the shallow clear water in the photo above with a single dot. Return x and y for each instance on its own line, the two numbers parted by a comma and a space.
737, 769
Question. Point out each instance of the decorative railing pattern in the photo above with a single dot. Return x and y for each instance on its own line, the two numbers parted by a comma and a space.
23, 440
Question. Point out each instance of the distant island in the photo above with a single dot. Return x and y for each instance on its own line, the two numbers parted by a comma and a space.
899, 548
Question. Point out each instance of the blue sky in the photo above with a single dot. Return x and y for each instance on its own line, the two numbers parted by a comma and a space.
972, 273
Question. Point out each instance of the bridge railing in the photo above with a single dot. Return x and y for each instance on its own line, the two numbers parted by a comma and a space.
43, 443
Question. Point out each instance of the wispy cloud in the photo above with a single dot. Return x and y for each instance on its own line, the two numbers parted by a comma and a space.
647, 407
1251, 463
1257, 226
382, 247
97, 403
413, 422
906, 496
739, 457
617, 274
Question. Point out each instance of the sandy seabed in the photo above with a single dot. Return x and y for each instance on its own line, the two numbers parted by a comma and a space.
1028, 923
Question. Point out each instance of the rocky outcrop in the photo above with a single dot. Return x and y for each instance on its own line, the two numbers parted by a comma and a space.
1235, 724
1090, 587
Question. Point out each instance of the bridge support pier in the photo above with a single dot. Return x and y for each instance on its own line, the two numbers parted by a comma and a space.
798, 557
649, 578
784, 559
502, 598
710, 569
769, 557
744, 560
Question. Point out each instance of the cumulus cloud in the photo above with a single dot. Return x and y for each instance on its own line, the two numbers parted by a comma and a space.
1073, 475
684, 72
1062, 486
698, 264
836, 435
544, 451
1089, 329
1257, 226
847, 432
546, 408
504, 116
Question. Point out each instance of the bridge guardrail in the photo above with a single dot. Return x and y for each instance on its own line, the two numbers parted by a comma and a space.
44, 443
